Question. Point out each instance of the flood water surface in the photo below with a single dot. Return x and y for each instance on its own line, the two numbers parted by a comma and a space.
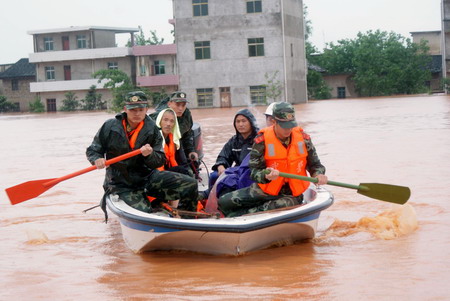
364, 249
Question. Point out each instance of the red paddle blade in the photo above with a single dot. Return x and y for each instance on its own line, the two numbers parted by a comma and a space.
27, 190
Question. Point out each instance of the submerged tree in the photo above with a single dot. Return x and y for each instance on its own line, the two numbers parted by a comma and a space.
5, 105
37, 106
316, 85
382, 63
93, 100
141, 40
70, 103
274, 87
118, 82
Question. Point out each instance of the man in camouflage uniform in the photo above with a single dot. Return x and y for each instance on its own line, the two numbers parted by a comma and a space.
177, 101
136, 178
253, 198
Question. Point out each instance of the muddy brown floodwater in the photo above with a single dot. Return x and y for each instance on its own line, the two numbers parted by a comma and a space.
364, 250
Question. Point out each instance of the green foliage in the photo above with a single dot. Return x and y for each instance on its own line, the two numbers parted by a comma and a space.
93, 100
382, 63
119, 83
274, 87
445, 84
156, 97
317, 87
141, 40
70, 103
5, 105
37, 106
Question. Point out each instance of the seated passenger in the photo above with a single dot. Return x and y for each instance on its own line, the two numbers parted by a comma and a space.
175, 159
177, 101
238, 146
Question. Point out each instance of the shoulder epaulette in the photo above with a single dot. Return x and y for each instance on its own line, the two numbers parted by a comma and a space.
259, 138
306, 136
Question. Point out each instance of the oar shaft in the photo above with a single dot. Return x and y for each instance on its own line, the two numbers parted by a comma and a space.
91, 168
315, 180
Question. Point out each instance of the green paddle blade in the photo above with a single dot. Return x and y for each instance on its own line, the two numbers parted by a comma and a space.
385, 192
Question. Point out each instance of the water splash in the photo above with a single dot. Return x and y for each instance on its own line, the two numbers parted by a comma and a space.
390, 224
36, 237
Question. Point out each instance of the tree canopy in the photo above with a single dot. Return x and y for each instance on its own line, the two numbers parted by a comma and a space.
381, 63
141, 40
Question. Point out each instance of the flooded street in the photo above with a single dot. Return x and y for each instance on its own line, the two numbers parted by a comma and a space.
365, 249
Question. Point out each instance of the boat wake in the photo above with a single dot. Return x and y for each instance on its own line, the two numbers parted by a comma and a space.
390, 224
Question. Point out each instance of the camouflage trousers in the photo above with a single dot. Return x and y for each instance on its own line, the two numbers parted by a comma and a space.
164, 186
252, 199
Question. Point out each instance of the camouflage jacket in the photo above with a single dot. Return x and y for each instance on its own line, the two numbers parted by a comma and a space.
258, 163
111, 141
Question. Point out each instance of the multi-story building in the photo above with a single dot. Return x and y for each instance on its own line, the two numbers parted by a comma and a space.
445, 38
156, 67
434, 40
231, 52
66, 58
16, 84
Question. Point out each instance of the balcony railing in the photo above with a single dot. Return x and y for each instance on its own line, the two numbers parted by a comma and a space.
158, 80
79, 54
67, 85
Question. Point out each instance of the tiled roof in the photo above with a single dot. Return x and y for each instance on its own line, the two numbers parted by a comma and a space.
20, 69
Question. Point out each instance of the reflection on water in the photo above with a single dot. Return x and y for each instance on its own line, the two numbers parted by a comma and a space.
365, 248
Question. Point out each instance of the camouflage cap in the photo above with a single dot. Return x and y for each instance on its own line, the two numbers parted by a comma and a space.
284, 114
136, 99
178, 97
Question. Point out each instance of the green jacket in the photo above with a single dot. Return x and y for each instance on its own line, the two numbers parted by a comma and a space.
111, 141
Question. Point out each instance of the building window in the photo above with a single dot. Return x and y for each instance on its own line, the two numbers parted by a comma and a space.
202, 50
81, 41
50, 73
113, 66
258, 94
200, 7
142, 70
254, 6
48, 44
15, 85
205, 97
160, 67
256, 47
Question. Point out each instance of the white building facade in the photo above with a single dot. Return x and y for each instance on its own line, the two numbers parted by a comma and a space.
229, 51
66, 58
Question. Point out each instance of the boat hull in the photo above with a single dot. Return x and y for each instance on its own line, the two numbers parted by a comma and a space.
225, 236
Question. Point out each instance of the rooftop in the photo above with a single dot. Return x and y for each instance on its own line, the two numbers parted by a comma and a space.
85, 28
23, 68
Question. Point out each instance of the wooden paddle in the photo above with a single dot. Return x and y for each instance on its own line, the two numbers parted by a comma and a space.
384, 192
32, 189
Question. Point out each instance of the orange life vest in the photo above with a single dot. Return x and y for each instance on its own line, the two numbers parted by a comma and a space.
169, 150
292, 160
132, 135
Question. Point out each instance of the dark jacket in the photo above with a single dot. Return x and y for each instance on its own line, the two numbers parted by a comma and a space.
111, 141
235, 150
185, 123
